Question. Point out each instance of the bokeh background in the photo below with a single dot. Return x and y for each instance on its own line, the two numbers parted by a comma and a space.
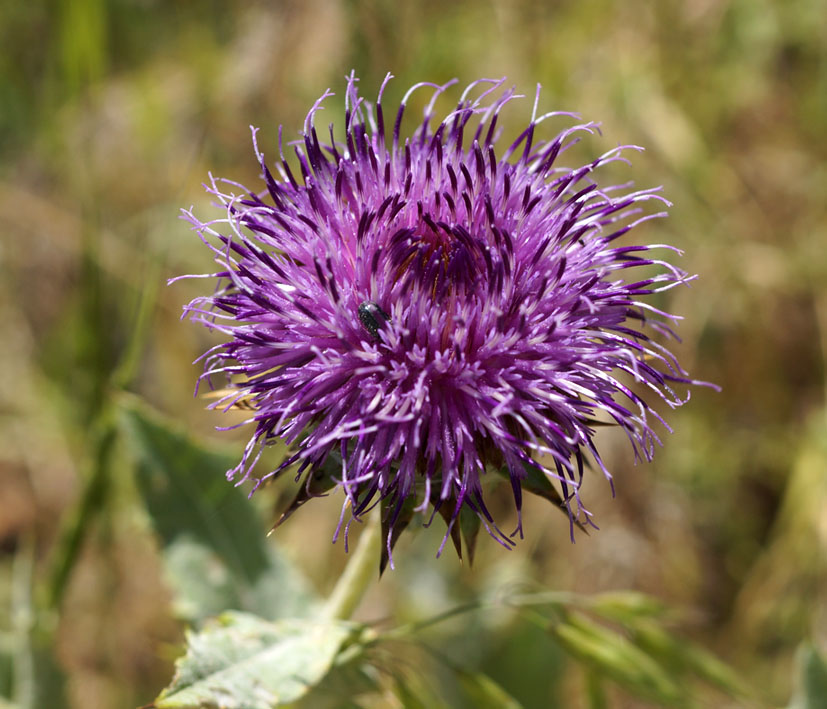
112, 113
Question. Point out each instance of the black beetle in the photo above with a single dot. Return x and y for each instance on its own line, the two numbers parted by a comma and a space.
372, 317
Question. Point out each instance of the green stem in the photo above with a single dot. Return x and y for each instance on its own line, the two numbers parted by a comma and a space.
104, 431
529, 600
127, 368
74, 530
360, 570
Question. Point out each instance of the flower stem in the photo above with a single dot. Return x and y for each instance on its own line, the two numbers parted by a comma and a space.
358, 573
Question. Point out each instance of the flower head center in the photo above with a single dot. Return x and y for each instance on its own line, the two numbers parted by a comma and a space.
438, 257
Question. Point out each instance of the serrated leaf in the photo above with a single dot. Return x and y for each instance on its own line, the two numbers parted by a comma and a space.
604, 651
217, 555
240, 661
204, 586
484, 692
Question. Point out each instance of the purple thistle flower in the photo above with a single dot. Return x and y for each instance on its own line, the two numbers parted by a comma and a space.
415, 315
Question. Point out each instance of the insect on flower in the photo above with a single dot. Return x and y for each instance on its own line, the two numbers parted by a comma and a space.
372, 318
517, 322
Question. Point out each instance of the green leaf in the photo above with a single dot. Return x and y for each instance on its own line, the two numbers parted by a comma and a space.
216, 552
811, 692
242, 662
815, 679
484, 692
7, 653
605, 651
46, 679
204, 586
348, 680
185, 489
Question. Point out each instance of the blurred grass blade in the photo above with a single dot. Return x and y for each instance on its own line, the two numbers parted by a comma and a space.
130, 358
413, 692
595, 690
407, 695
83, 37
684, 656
626, 606
38, 680
484, 693
608, 653
243, 662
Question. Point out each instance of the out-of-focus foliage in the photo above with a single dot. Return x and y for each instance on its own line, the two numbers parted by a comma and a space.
811, 688
112, 112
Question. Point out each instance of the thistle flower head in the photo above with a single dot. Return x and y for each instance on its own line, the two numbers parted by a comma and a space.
416, 315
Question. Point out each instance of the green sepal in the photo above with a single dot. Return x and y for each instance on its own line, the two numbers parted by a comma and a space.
446, 511
317, 483
403, 519
470, 524
537, 483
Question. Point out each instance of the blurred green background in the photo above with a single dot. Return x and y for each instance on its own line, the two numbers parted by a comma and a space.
112, 112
